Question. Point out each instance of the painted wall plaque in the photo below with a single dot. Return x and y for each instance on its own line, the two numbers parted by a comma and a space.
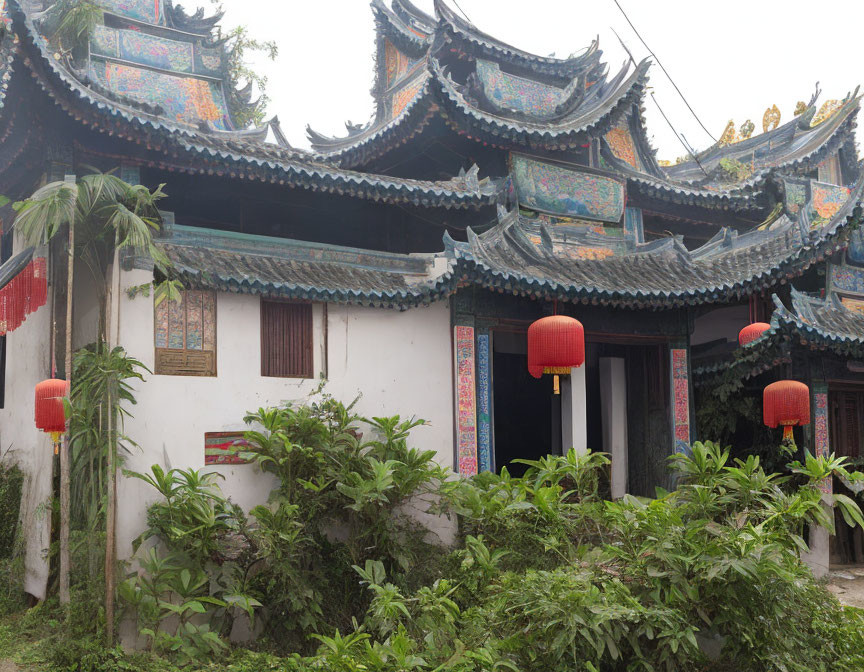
218, 447
466, 406
680, 399
564, 190
820, 430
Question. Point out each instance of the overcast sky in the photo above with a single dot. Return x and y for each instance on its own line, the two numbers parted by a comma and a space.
731, 58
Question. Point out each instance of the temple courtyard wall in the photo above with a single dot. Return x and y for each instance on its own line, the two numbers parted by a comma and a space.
399, 362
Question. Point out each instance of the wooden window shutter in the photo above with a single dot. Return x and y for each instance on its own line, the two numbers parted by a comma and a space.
286, 339
185, 335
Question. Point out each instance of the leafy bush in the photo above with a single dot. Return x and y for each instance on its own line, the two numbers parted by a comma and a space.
546, 575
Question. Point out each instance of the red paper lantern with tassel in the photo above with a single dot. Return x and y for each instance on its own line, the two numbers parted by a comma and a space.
50, 414
751, 332
556, 344
787, 403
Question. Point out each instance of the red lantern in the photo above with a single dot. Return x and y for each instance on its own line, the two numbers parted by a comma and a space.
50, 413
556, 344
787, 403
751, 332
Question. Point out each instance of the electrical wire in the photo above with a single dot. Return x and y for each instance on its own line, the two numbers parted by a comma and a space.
463, 12
665, 72
683, 143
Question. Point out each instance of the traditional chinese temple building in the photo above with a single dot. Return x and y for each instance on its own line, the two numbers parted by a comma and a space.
407, 259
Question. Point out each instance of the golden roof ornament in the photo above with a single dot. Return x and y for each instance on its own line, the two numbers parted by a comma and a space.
771, 118
746, 130
829, 107
800, 108
729, 136
664, 163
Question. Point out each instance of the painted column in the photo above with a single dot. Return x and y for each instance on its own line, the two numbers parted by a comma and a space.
680, 392
484, 400
819, 556
613, 400
466, 402
574, 413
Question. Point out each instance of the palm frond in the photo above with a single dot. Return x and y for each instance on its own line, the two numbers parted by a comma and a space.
41, 216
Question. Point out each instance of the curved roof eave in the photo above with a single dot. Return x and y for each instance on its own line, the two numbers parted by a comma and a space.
231, 156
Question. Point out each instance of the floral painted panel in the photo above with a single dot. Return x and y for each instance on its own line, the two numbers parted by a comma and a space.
149, 11
826, 201
466, 402
398, 64
680, 398
184, 99
796, 195
566, 191
511, 92
401, 98
622, 146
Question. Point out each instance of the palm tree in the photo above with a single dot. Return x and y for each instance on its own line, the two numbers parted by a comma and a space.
103, 214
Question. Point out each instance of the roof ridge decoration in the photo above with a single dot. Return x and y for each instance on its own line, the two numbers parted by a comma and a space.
797, 145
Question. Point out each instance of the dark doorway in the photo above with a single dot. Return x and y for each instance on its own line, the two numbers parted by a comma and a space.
527, 412
846, 426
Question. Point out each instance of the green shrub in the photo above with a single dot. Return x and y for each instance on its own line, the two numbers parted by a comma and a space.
546, 575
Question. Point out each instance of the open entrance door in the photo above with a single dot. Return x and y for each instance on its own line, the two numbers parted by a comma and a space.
527, 414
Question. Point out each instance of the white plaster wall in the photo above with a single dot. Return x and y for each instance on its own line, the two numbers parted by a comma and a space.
720, 323
399, 361
28, 361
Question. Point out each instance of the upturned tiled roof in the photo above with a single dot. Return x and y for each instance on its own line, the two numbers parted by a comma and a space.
247, 264
210, 151
537, 259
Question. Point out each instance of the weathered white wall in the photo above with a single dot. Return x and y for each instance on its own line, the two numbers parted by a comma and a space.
399, 361
28, 361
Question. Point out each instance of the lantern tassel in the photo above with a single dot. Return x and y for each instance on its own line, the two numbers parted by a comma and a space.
557, 385
788, 437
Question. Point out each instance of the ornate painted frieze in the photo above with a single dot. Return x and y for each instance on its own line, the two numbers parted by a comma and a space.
466, 403
184, 99
562, 190
510, 92
137, 47
149, 11
680, 399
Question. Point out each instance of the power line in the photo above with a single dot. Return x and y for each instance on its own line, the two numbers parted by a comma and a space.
686, 145
665, 72
463, 12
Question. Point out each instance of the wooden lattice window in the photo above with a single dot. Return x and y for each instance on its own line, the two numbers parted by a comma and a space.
185, 334
286, 339
847, 418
